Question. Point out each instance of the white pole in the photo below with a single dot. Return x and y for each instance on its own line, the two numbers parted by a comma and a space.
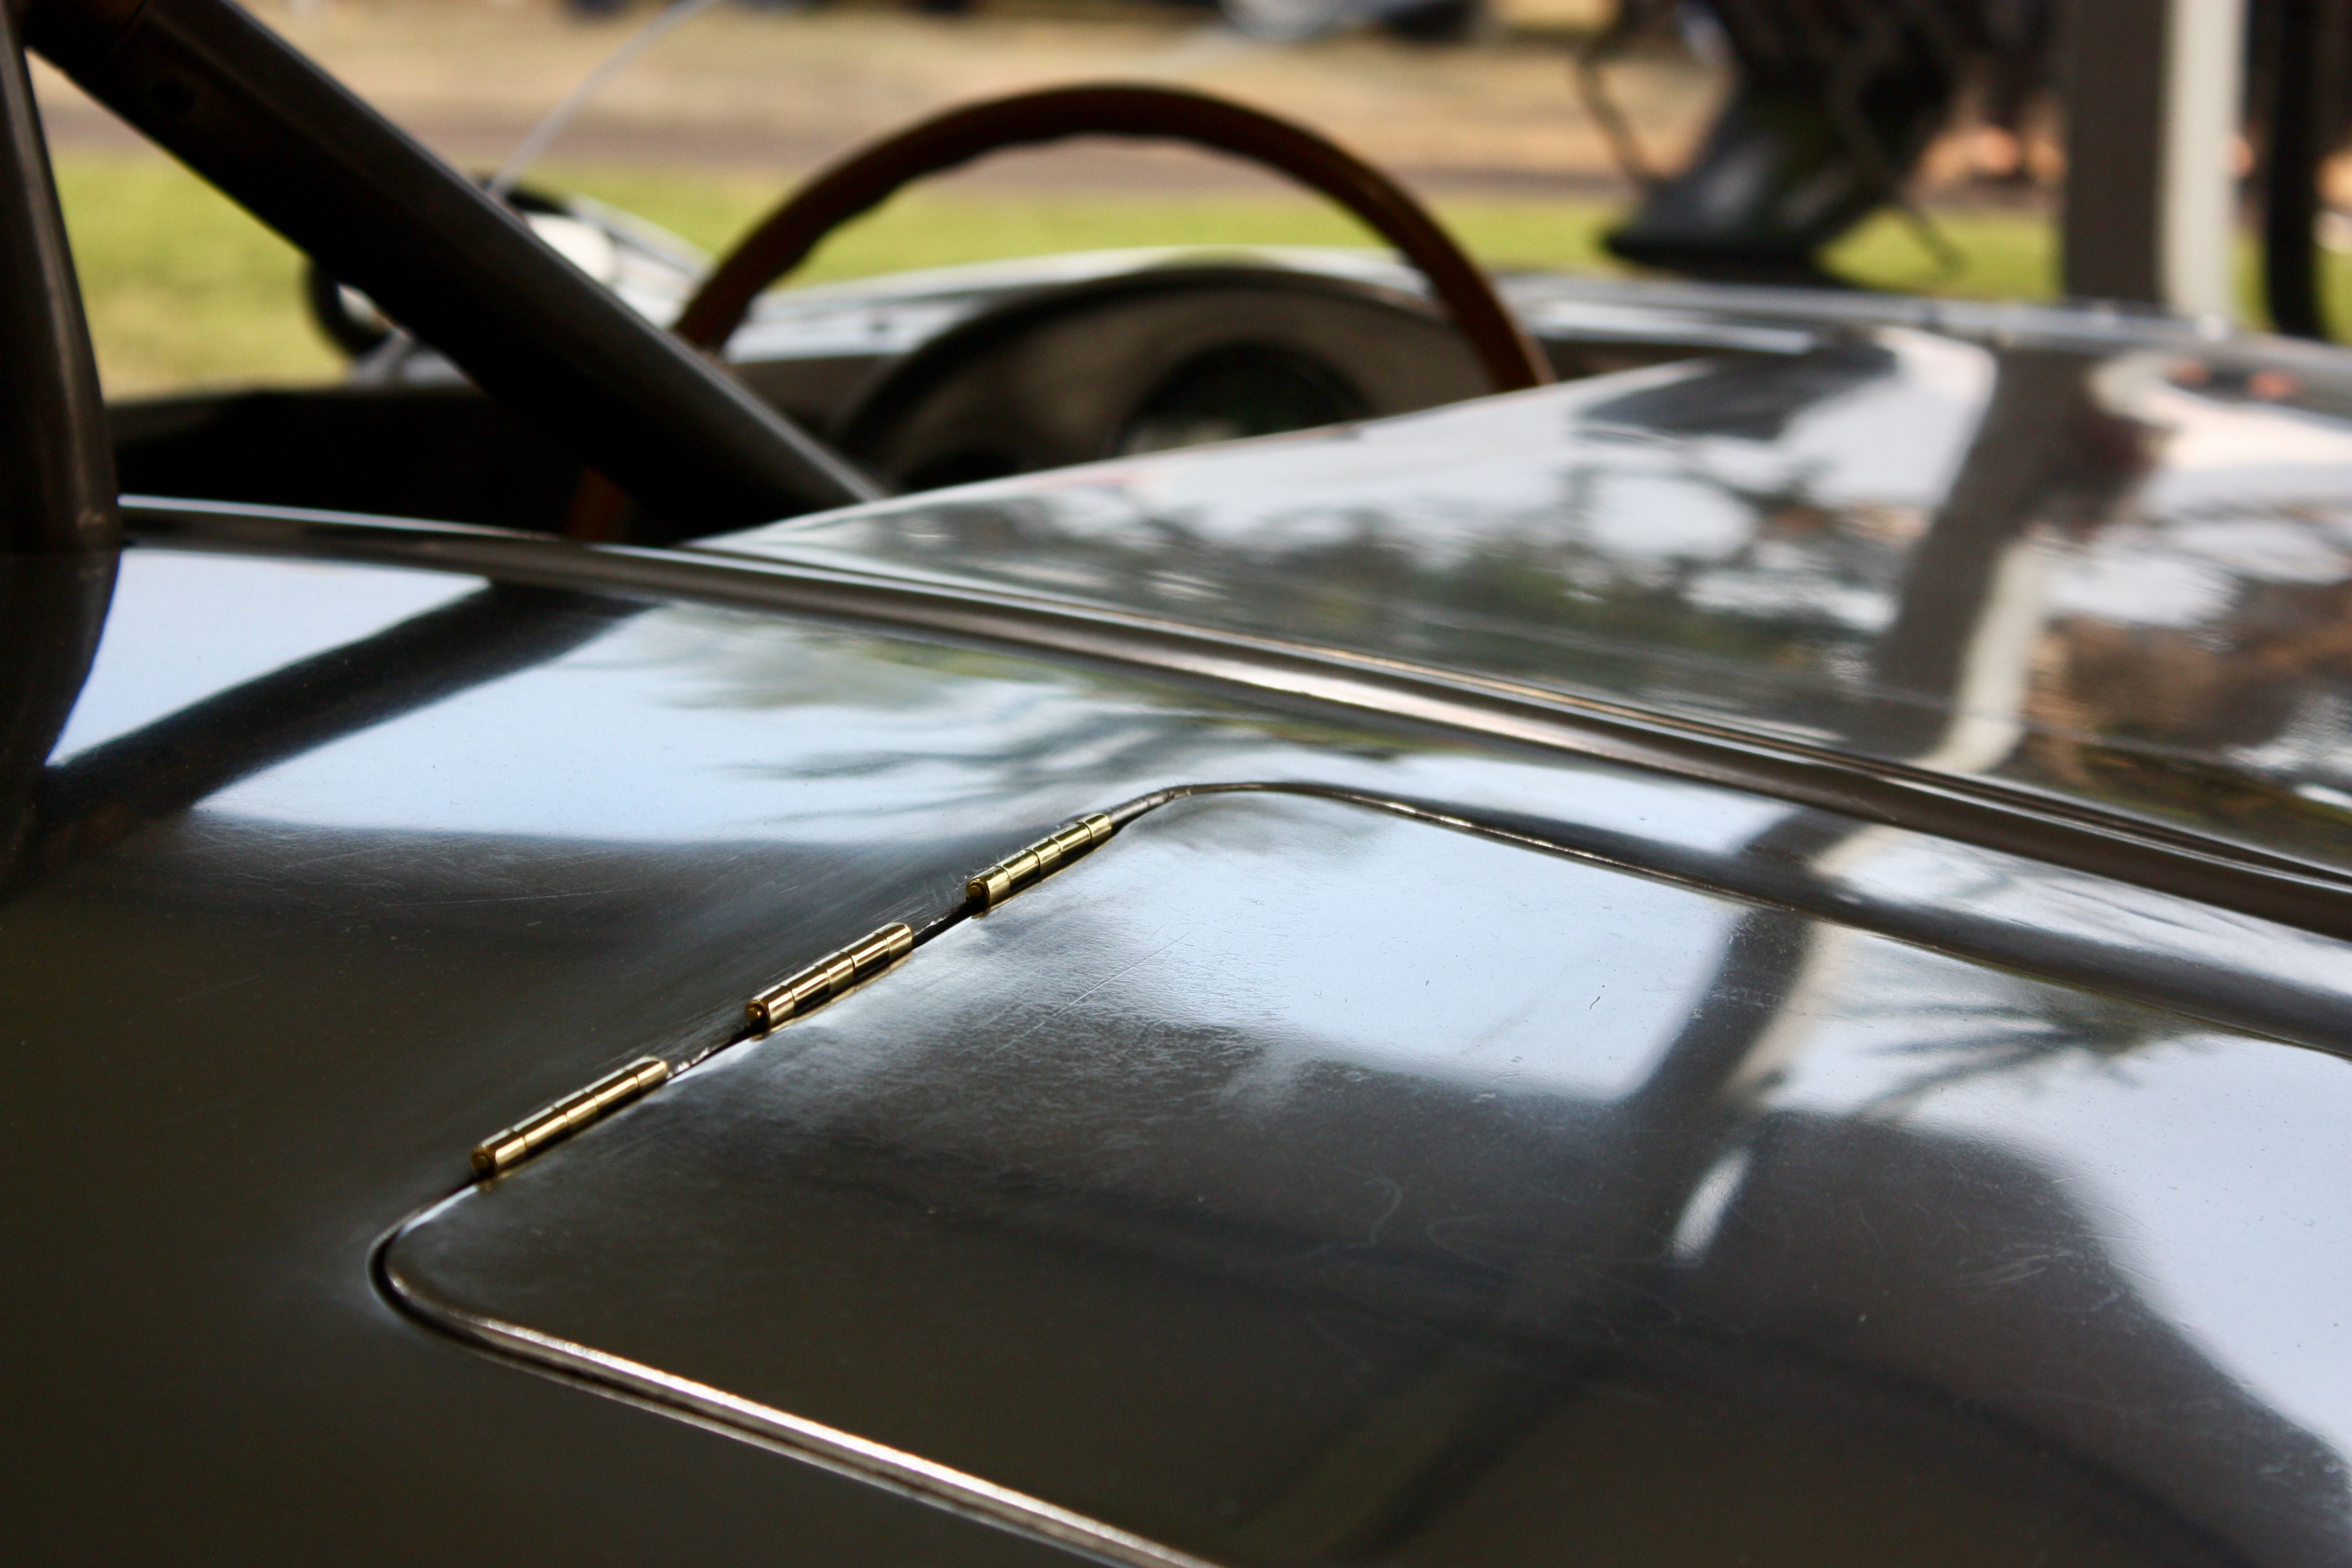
2151, 90
2203, 92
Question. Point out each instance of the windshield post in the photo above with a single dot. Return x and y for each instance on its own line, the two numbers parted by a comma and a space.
60, 533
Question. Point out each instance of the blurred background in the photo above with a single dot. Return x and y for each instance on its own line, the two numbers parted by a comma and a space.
1482, 106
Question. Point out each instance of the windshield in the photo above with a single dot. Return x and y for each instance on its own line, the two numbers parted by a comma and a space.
1527, 124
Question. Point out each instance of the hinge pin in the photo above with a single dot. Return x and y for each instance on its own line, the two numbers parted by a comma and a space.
1043, 859
496, 1155
828, 977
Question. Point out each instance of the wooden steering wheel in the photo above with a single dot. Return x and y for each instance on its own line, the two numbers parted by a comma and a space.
872, 175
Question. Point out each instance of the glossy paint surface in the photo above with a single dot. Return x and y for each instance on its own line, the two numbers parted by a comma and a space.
331, 930
2119, 576
1288, 1183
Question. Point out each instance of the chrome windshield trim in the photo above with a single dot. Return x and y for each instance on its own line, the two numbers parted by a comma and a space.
1989, 814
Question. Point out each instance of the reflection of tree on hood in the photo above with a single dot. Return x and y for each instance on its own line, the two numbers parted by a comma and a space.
1966, 1279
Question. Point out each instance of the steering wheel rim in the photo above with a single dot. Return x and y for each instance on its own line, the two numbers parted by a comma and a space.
873, 174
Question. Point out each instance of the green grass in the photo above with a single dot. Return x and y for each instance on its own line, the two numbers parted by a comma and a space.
2000, 255
937, 229
184, 290
181, 288
2005, 256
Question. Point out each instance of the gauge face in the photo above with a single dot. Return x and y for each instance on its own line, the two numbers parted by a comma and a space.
1235, 390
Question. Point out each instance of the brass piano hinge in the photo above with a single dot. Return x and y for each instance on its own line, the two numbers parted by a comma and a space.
496, 1155
789, 998
829, 977
1040, 860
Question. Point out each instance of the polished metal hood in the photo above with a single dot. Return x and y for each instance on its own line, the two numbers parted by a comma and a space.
2115, 572
332, 895
1296, 1180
